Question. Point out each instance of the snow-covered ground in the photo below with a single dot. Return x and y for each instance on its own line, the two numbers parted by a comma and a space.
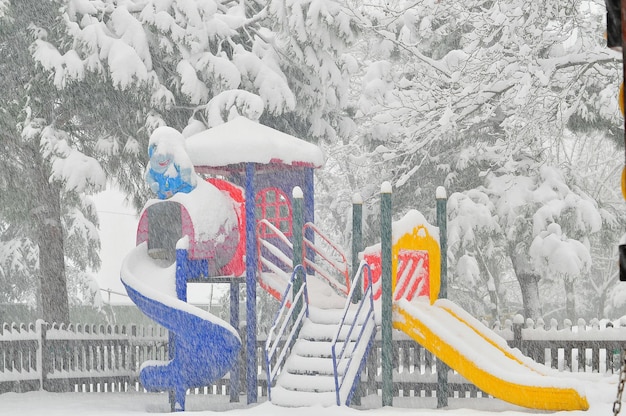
600, 393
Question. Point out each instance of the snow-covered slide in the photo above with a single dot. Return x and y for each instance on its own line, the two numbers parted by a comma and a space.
484, 358
205, 347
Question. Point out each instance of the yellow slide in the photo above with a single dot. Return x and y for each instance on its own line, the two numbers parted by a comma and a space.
483, 358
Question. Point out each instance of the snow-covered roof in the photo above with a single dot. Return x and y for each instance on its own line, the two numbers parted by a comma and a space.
241, 141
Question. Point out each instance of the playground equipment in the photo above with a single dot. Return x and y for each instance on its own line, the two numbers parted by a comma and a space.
205, 229
451, 334
482, 357
199, 337
319, 341
248, 227
175, 229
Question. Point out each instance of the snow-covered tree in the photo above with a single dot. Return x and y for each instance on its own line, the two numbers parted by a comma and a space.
594, 167
94, 78
195, 64
480, 96
475, 96
539, 223
208, 60
477, 250
46, 174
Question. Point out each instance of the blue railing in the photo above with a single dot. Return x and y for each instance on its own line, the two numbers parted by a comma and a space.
282, 323
364, 316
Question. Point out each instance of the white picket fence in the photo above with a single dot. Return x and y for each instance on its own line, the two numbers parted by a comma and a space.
76, 357
101, 358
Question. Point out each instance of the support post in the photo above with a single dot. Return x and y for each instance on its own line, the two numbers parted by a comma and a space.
234, 322
178, 393
442, 223
43, 360
251, 260
623, 43
357, 240
357, 247
308, 214
386, 241
298, 224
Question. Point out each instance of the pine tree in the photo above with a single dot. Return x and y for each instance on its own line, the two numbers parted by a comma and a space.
41, 198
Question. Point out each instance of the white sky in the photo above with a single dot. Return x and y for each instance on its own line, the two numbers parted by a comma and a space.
118, 225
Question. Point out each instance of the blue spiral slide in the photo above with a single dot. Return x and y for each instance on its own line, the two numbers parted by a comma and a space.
205, 347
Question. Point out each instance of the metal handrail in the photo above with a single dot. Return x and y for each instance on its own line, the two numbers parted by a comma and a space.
281, 322
364, 316
341, 267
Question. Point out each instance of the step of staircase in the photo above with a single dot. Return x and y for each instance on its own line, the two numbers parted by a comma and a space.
307, 383
320, 332
331, 316
313, 348
291, 398
307, 365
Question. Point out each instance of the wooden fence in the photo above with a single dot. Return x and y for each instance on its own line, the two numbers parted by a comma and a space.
92, 358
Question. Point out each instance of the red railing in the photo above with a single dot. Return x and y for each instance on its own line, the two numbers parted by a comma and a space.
325, 259
274, 264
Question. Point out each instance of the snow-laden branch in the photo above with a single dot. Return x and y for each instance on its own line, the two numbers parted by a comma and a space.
595, 56
439, 66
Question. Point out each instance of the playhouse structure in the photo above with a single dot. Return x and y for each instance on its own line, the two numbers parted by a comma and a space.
238, 208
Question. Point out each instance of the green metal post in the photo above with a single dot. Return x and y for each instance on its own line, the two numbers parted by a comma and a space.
298, 223
357, 246
442, 223
387, 347
357, 239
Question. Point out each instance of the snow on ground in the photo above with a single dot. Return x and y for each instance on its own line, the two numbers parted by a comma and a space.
601, 395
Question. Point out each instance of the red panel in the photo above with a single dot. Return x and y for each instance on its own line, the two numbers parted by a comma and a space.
142, 228
412, 275
237, 265
373, 259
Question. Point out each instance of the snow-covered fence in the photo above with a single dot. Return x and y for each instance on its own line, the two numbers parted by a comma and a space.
107, 358
20, 358
76, 357
578, 348
584, 347
414, 372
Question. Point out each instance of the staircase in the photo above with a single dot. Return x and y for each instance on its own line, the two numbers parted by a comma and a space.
325, 362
